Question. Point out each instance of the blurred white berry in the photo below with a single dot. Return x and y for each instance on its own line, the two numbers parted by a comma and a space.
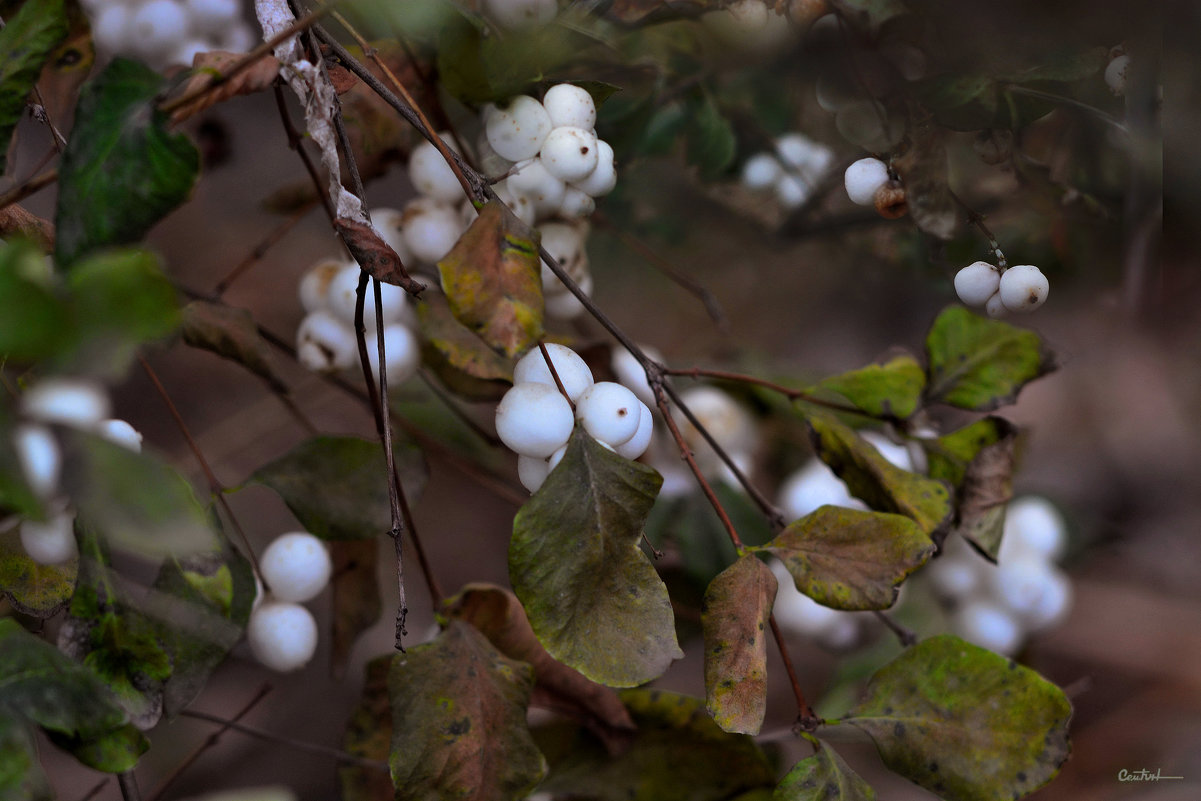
792, 191
531, 179
1053, 604
954, 578
565, 243
185, 54
534, 420
894, 454
402, 353
158, 27
111, 23
564, 305
521, 206
1116, 73
863, 178
576, 204
1023, 288
797, 612
282, 635
760, 171
70, 401
51, 542
342, 295
630, 373
240, 38
119, 432
431, 175
1033, 527
731, 426
573, 371
517, 130
988, 625
609, 412
314, 284
813, 486
570, 105
977, 282
324, 343
389, 224
430, 229
1020, 584
39, 457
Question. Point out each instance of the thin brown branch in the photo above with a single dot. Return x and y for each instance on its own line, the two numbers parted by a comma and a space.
298, 745
30, 187
260, 250
905, 635
805, 717
488, 438
554, 374
95, 791
788, 392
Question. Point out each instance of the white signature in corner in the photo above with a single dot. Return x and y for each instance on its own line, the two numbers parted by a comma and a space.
1144, 775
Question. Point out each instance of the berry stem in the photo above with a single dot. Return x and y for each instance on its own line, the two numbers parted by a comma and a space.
975, 219
550, 365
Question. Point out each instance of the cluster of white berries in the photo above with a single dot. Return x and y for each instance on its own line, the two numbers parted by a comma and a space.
535, 420
51, 402
281, 632
168, 32
792, 172
1021, 288
997, 606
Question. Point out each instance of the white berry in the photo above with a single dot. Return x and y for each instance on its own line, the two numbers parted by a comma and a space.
517, 130
39, 457
576, 204
389, 224
534, 420
811, 487
111, 25
1033, 527
491, 163
609, 412
296, 566
723, 417
314, 284
402, 353
70, 401
989, 626
573, 371
282, 635
431, 229
1023, 288
953, 578
863, 178
1053, 604
603, 178
569, 105
569, 153
977, 282
565, 243
1019, 585
521, 206
565, 305
1116, 73
630, 373
158, 27
994, 308
636, 445
795, 611
894, 454
51, 542
431, 175
342, 297
531, 179
532, 472
760, 171
324, 343
119, 432
792, 191
239, 38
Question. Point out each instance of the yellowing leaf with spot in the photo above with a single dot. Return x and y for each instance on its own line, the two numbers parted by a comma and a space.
735, 617
823, 777
493, 280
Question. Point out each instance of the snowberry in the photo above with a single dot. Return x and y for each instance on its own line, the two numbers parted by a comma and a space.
39, 457
211, 16
810, 158
569, 105
532, 472
120, 433
389, 224
159, 26
576, 204
430, 229
111, 25
953, 578
491, 163
977, 282
565, 243
557, 457
314, 284
1033, 527
187, 51
725, 420
813, 486
994, 308
521, 206
863, 178
324, 343
239, 38
987, 625
534, 420
573, 371
795, 611
630, 373
1054, 602
342, 295
51, 542
514, 14
282, 635
603, 177
431, 175
1019, 585
636, 445
296, 566
564, 305
70, 401
531, 179
402, 353
517, 130
609, 412
894, 454
1116, 73
792, 191
569, 153
760, 171
1023, 288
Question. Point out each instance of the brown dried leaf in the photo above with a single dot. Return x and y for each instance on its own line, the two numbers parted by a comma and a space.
369, 735
375, 255
498, 614
255, 78
464, 363
987, 489
16, 221
357, 602
493, 280
923, 168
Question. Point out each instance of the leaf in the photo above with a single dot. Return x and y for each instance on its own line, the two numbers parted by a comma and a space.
122, 170
15, 494
965, 723
34, 589
949, 456
374, 255
960, 101
923, 168
677, 754
26, 41
134, 500
497, 614
461, 359
34, 323
851, 559
68, 700
21, 776
593, 598
892, 389
205, 66
369, 735
869, 14
230, 333
1068, 67
711, 141
338, 486
493, 281
981, 364
357, 602
453, 701
823, 777
871, 478
735, 616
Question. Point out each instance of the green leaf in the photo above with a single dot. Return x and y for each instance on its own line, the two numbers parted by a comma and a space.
369, 735
67, 700
677, 754
493, 281
34, 589
711, 141
735, 616
122, 170
851, 559
949, 456
892, 389
981, 364
134, 500
455, 700
26, 41
823, 777
871, 478
593, 598
965, 723
981, 457
338, 486
34, 323
869, 14
230, 333
462, 360
959, 101
21, 776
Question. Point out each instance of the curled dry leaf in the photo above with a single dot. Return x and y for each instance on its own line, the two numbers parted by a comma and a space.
16, 221
375, 255
209, 66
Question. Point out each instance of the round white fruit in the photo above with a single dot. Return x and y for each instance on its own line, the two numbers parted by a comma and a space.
491, 163
564, 305
521, 206
282, 635
813, 486
119, 432
530, 179
994, 308
573, 371
40, 459
517, 130
402, 353
988, 625
534, 420
863, 178
431, 175
51, 542
158, 27
1023, 288
894, 454
760, 171
389, 224
630, 373
602, 180
111, 25
977, 282
569, 153
314, 284
565, 243
636, 445
1033, 527
727, 422
296, 566
797, 612
953, 578
577, 204
324, 343
70, 401
430, 229
1116, 73
342, 297
570, 105
532, 472
609, 412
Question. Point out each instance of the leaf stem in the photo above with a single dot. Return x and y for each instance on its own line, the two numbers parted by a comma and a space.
805, 717
1050, 97
905, 635
311, 748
